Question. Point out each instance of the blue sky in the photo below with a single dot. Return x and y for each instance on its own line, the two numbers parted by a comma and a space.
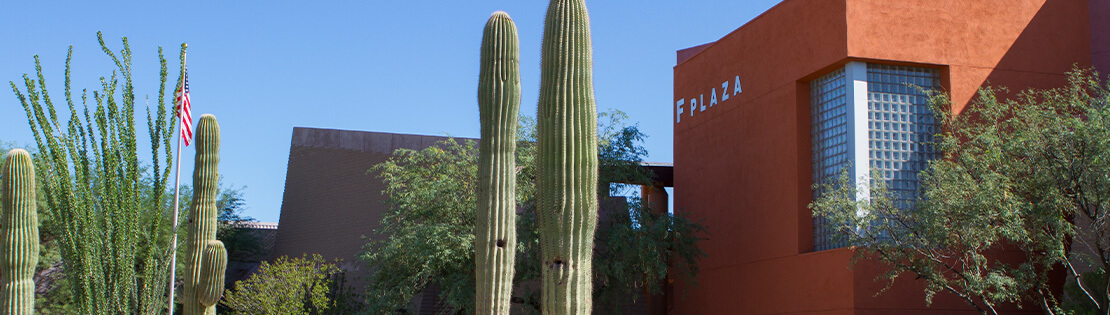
391, 66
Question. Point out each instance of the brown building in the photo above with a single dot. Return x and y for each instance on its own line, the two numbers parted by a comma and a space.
332, 204
811, 86
242, 261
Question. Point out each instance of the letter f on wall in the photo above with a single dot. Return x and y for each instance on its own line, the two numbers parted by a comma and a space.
678, 107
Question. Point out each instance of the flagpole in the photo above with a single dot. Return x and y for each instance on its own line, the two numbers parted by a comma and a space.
177, 183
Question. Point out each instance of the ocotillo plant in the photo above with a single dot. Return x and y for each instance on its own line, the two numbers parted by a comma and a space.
498, 105
19, 234
566, 160
108, 214
202, 218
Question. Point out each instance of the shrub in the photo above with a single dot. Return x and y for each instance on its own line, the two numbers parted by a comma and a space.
275, 288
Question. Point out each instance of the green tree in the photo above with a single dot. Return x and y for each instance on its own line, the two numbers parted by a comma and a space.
303, 285
7, 145
1020, 177
242, 245
112, 230
430, 226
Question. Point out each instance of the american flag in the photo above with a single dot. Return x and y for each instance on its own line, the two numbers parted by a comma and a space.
183, 111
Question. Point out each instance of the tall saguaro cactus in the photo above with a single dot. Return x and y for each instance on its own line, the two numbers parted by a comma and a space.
202, 223
566, 183
19, 234
498, 104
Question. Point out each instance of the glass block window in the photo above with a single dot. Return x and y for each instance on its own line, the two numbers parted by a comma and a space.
830, 137
900, 126
900, 131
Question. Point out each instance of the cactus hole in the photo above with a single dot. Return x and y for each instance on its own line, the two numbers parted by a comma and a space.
501, 243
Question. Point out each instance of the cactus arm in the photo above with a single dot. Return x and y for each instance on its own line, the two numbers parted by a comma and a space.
19, 234
566, 161
213, 264
202, 218
499, 105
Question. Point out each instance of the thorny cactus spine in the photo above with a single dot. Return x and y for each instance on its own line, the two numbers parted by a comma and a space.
499, 104
212, 269
566, 161
19, 234
202, 218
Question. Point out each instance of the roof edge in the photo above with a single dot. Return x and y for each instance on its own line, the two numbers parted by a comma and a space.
701, 48
364, 141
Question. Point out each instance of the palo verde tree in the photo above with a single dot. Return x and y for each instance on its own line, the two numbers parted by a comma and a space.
430, 227
1020, 177
109, 216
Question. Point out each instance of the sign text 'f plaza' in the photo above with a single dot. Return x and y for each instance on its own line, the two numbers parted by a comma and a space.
698, 103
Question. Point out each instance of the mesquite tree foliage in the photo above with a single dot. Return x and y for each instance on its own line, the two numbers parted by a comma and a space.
430, 227
113, 231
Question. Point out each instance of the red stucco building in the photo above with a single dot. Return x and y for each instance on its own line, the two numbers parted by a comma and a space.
811, 86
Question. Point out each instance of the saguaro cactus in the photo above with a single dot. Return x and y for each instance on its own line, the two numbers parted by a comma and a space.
498, 104
566, 161
202, 221
19, 234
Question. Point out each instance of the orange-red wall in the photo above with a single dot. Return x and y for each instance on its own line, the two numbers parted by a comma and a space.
743, 165
1100, 35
